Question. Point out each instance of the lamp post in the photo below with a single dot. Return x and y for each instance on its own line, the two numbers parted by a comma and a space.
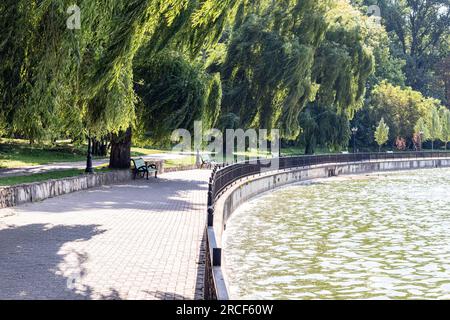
354, 131
89, 168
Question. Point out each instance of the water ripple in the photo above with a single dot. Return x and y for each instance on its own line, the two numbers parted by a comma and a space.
373, 237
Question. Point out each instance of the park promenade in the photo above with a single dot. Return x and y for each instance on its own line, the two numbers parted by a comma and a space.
137, 240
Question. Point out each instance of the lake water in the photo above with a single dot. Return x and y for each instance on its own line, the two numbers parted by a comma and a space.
380, 236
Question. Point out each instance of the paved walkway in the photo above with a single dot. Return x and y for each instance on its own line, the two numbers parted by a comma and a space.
142, 240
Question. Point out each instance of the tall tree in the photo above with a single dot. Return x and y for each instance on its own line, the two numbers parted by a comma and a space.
324, 127
286, 54
420, 33
268, 64
84, 78
445, 121
401, 108
434, 127
381, 134
173, 93
421, 131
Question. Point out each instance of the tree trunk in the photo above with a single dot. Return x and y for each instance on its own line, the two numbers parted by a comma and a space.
120, 150
99, 147
310, 147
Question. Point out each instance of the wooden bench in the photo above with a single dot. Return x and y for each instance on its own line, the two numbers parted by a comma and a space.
207, 161
139, 166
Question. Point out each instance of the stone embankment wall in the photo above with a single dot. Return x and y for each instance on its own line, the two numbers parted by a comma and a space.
253, 186
16, 195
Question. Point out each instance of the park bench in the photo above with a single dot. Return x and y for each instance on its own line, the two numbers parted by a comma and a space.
207, 161
141, 167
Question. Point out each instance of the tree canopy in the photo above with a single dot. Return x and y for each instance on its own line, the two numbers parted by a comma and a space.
307, 67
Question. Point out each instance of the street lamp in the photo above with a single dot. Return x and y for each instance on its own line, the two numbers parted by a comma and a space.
89, 168
354, 131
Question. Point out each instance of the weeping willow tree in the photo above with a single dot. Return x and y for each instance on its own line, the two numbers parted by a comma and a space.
323, 126
173, 93
81, 81
268, 65
343, 63
286, 55
156, 25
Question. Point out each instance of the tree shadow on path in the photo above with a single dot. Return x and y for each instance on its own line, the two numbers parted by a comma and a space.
31, 259
162, 195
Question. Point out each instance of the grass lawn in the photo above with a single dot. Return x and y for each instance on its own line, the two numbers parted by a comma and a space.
17, 153
10, 181
185, 161
137, 152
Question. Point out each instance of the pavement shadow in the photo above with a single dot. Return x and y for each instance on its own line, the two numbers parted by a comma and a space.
33, 267
158, 195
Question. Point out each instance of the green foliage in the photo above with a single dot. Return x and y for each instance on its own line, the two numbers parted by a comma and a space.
344, 61
420, 35
445, 122
174, 93
417, 38
434, 126
57, 81
323, 127
267, 70
382, 133
421, 128
303, 66
212, 107
387, 66
401, 108
285, 54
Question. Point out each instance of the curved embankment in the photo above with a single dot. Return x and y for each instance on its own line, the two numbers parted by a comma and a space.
249, 187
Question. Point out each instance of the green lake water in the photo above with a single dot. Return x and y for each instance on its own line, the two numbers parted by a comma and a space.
381, 236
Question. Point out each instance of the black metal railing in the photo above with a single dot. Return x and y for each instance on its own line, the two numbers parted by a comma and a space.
224, 176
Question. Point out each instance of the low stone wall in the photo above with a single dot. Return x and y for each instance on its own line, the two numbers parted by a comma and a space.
180, 168
38, 191
251, 187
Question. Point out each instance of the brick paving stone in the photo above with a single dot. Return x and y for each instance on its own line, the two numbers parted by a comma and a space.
137, 240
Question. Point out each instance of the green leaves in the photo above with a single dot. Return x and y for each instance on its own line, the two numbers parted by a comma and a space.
285, 54
174, 93
382, 133
445, 122
55, 81
407, 112
344, 61
267, 70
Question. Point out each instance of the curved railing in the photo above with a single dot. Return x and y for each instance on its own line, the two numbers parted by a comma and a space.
224, 176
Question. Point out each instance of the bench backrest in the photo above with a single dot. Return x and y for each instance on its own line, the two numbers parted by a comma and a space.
138, 163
